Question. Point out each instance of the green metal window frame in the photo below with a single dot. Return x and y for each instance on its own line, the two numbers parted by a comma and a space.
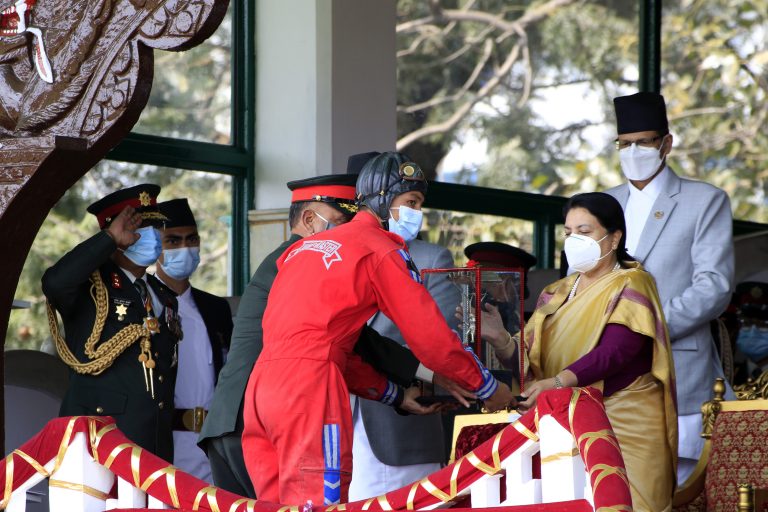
236, 160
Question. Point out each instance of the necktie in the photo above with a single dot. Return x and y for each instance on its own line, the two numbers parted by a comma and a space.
149, 320
141, 287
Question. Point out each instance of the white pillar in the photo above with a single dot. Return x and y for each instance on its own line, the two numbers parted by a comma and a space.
326, 88
80, 483
563, 475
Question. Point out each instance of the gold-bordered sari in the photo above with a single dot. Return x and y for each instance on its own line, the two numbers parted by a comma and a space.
643, 414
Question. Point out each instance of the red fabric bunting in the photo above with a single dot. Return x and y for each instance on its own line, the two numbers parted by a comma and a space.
111, 448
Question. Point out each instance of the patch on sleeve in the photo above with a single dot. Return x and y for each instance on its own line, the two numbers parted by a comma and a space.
332, 460
328, 248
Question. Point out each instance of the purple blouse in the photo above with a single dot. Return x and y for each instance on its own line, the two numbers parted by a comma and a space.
621, 356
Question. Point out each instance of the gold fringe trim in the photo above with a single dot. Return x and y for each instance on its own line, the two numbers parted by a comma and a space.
560, 456
435, 491
524, 430
383, 503
412, 496
102, 357
32, 462
251, 505
90, 491
603, 471
8, 481
209, 493
589, 438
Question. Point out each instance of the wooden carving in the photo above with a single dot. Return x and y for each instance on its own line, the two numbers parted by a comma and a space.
74, 77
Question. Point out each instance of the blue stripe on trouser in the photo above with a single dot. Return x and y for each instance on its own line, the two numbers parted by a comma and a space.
332, 460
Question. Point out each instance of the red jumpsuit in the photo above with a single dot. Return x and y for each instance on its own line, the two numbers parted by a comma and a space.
298, 431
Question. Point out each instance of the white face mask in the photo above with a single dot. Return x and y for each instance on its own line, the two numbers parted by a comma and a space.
328, 224
639, 163
583, 252
408, 224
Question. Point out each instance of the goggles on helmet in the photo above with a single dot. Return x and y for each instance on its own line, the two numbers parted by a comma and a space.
410, 171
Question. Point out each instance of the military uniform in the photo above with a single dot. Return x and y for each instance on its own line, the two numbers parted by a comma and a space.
119, 389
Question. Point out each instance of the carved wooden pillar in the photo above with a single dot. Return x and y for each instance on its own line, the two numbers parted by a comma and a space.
74, 77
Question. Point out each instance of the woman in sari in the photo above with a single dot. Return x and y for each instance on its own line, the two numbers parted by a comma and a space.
603, 326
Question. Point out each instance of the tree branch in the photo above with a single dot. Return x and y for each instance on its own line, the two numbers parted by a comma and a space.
464, 109
532, 15
517, 26
434, 101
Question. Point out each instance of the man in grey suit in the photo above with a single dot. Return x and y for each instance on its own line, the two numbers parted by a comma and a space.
391, 450
681, 231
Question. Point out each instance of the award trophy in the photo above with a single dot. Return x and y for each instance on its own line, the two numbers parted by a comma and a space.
502, 288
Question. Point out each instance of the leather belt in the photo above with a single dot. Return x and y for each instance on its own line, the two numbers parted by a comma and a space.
189, 420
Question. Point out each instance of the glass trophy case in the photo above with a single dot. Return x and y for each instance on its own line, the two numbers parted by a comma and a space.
502, 288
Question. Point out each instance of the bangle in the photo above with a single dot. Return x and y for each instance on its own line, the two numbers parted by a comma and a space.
508, 343
558, 383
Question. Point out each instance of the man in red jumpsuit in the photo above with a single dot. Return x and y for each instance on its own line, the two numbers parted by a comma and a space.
298, 431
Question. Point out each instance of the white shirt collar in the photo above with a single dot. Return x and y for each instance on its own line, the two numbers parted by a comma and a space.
132, 277
652, 189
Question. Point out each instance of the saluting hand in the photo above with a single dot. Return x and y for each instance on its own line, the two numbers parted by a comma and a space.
123, 228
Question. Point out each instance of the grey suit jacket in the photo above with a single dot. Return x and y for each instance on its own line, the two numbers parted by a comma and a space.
687, 245
404, 440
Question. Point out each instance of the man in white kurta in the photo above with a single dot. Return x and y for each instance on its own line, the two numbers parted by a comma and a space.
206, 323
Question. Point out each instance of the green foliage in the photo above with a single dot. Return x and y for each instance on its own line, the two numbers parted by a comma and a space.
68, 224
715, 58
715, 65
190, 99
456, 230
191, 91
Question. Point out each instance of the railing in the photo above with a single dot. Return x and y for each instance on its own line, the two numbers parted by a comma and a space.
92, 466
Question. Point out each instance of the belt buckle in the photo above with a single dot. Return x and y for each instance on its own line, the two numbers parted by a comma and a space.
193, 419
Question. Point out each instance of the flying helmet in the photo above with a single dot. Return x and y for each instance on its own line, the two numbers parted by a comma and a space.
386, 176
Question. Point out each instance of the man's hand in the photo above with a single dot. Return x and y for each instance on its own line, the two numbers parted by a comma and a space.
123, 227
412, 406
502, 398
458, 392
491, 325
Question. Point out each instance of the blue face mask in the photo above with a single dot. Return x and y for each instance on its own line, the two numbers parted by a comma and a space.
180, 263
408, 223
753, 342
146, 249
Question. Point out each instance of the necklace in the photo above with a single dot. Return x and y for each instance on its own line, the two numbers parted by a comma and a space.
578, 278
